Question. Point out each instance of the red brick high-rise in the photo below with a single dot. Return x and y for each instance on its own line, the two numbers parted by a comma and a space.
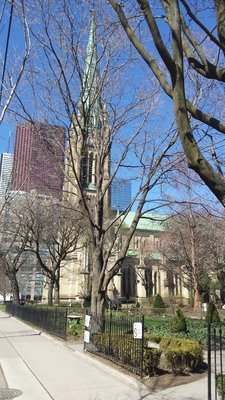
39, 159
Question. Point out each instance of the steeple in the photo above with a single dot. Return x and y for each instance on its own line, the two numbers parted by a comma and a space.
91, 88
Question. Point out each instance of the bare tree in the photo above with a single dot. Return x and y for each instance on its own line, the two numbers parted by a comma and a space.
5, 285
55, 232
12, 252
120, 122
184, 44
13, 61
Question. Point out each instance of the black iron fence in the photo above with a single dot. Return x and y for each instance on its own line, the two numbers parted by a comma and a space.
120, 339
51, 320
216, 361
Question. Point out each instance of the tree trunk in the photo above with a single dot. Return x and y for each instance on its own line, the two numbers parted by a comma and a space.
98, 295
50, 292
194, 263
197, 297
57, 287
15, 288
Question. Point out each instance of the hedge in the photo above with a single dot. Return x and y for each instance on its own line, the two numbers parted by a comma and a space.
123, 351
182, 355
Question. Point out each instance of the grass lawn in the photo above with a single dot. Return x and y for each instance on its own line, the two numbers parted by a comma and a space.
160, 326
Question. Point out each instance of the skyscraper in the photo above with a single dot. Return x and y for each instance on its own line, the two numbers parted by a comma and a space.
120, 194
6, 163
39, 159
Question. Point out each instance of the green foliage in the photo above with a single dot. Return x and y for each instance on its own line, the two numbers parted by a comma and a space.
178, 322
72, 328
185, 358
212, 314
196, 328
75, 329
182, 355
158, 305
151, 360
220, 383
125, 351
158, 302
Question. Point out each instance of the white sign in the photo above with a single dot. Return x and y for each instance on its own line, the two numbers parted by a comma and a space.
137, 330
87, 320
86, 336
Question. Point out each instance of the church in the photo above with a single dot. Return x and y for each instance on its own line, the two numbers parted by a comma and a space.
144, 272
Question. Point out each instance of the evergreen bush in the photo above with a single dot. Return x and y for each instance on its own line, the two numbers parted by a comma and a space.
158, 304
212, 314
178, 322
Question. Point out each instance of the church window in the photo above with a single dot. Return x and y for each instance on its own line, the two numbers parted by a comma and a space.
128, 282
136, 243
84, 167
90, 168
148, 281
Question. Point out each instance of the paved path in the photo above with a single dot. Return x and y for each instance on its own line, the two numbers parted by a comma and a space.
44, 368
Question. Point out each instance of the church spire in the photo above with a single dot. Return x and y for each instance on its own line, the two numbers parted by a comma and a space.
91, 95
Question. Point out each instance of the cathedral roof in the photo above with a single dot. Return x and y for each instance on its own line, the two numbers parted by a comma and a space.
149, 222
91, 83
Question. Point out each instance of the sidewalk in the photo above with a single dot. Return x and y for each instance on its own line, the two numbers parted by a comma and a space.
44, 368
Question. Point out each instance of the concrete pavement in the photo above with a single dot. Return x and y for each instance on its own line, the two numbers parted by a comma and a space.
44, 368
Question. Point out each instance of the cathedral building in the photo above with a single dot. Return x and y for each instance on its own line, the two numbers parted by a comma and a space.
87, 174
87, 170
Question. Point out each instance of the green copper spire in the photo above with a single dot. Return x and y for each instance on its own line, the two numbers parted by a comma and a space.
91, 95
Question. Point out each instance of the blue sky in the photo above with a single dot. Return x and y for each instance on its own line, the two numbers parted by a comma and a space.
165, 110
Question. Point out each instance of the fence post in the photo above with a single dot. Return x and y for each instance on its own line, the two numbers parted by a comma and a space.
142, 346
209, 362
221, 362
110, 330
65, 325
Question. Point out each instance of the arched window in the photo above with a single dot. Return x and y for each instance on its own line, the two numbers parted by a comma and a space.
128, 282
155, 284
88, 174
148, 281
90, 167
84, 168
178, 285
159, 283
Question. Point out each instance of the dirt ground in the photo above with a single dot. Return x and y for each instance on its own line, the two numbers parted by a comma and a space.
166, 380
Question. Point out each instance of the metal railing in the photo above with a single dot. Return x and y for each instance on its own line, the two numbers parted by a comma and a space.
114, 338
53, 321
216, 361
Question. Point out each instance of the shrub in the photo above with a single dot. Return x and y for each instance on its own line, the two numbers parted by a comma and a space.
151, 360
73, 328
220, 382
158, 304
183, 355
178, 322
212, 314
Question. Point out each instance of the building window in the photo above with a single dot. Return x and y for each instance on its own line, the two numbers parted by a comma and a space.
157, 283
148, 281
88, 169
84, 168
128, 282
